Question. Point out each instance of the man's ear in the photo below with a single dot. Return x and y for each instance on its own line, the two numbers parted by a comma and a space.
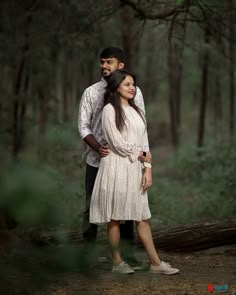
121, 65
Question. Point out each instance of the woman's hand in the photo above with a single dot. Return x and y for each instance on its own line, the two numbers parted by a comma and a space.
147, 158
147, 179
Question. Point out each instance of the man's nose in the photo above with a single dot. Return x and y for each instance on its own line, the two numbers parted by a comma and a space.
104, 65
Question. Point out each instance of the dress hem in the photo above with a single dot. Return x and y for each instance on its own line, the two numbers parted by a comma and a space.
121, 220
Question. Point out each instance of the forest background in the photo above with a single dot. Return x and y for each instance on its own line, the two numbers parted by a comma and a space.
183, 54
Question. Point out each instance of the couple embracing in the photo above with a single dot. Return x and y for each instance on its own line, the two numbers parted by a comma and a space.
118, 163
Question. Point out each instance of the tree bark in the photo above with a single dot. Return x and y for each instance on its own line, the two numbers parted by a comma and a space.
182, 238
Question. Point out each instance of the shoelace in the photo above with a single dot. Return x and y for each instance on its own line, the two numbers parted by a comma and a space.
167, 264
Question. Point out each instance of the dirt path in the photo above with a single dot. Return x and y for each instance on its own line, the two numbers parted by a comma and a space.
198, 270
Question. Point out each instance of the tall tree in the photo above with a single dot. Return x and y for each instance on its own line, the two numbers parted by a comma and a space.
20, 91
204, 88
231, 69
127, 36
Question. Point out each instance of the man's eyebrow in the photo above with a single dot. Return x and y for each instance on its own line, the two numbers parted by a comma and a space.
109, 58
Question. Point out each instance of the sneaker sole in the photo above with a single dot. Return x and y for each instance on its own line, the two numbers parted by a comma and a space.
138, 267
164, 273
122, 273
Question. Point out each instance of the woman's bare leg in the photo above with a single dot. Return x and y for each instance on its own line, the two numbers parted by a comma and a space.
113, 228
145, 235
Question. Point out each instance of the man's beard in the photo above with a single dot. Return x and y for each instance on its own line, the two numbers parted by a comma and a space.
106, 74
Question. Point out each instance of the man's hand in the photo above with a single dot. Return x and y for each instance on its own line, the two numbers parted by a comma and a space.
103, 150
147, 158
147, 179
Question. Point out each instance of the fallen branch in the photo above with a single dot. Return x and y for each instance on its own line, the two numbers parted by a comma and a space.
182, 238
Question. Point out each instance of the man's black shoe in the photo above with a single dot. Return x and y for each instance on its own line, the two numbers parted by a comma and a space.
134, 263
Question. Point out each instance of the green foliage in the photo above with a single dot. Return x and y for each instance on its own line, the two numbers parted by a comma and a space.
57, 141
179, 2
196, 187
216, 166
31, 194
45, 188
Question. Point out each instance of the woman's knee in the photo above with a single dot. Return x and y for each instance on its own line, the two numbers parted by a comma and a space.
114, 222
142, 222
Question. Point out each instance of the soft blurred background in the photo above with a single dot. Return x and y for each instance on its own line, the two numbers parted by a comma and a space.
183, 54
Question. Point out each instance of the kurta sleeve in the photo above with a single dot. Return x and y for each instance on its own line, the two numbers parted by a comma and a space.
114, 138
138, 100
85, 114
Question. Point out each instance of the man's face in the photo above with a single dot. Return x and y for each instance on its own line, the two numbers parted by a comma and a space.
109, 65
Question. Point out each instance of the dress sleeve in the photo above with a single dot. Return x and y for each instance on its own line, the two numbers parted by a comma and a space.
114, 138
145, 142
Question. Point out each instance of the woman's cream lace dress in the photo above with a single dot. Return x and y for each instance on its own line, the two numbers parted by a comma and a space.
118, 192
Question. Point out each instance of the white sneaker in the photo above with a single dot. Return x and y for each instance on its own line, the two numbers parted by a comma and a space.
122, 268
164, 268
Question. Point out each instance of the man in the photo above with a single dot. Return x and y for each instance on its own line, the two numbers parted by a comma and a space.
89, 122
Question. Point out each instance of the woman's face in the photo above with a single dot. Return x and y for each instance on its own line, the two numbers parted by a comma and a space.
127, 88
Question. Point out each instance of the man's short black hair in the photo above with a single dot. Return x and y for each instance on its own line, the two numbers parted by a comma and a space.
113, 52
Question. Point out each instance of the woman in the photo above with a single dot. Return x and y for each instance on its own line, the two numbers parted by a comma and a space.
120, 190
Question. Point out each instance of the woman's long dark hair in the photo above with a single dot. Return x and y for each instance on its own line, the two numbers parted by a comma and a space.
112, 96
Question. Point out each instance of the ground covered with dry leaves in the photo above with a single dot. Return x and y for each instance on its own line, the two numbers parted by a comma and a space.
199, 269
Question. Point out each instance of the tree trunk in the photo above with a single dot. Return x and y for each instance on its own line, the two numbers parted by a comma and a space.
23, 107
231, 71
204, 87
16, 106
20, 91
151, 89
65, 102
59, 79
172, 108
182, 238
127, 35
217, 105
194, 237
42, 114
175, 60
65, 90
217, 97
74, 81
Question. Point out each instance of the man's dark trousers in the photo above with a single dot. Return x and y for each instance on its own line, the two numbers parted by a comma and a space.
89, 229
